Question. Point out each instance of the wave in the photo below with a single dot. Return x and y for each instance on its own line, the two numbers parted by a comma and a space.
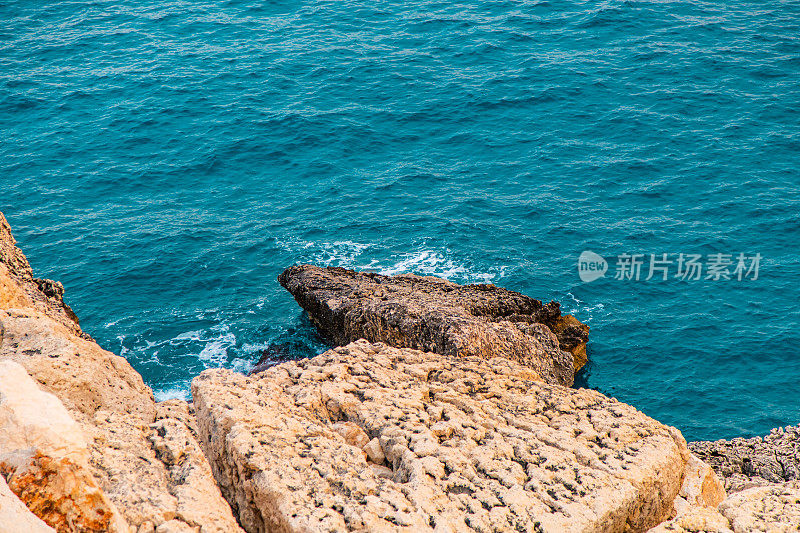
374, 258
582, 310
172, 393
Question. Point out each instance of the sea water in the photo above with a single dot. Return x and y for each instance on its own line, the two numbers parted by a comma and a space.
166, 160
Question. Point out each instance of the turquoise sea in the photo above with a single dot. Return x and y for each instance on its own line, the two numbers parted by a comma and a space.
166, 160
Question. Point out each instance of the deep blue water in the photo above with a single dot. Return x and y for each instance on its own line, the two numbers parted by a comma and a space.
166, 160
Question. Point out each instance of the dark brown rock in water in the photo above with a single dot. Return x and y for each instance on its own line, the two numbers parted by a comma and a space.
744, 463
435, 315
273, 355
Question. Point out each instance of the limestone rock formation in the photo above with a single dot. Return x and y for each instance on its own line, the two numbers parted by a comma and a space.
40, 332
435, 315
140, 457
157, 473
701, 487
374, 438
44, 458
83, 375
773, 508
696, 520
19, 289
744, 463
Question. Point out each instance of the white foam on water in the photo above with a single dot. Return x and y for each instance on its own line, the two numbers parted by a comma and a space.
214, 353
241, 365
581, 309
218, 340
433, 263
209, 345
424, 261
337, 253
172, 393
257, 347
193, 335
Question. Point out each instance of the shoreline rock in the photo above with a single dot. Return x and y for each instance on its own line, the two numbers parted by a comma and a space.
138, 458
435, 315
363, 437
44, 458
759, 461
20, 289
371, 437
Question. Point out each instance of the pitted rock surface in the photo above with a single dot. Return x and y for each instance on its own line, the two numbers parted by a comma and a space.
773, 508
435, 315
745, 463
696, 520
368, 437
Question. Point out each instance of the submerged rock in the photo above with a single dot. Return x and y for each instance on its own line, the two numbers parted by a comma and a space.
435, 315
277, 353
744, 463
373, 438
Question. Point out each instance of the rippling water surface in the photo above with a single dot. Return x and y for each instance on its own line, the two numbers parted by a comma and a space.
166, 160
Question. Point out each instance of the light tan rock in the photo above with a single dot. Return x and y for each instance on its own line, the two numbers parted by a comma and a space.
84, 376
157, 473
471, 444
701, 487
20, 290
177, 410
774, 508
15, 517
43, 457
696, 520
144, 456
200, 503
40, 332
176, 526
352, 434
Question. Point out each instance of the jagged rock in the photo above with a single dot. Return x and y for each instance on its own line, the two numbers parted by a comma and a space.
19, 289
697, 501
40, 332
438, 316
744, 463
467, 444
200, 503
15, 517
83, 375
696, 520
773, 508
157, 472
142, 455
701, 487
44, 458
178, 410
